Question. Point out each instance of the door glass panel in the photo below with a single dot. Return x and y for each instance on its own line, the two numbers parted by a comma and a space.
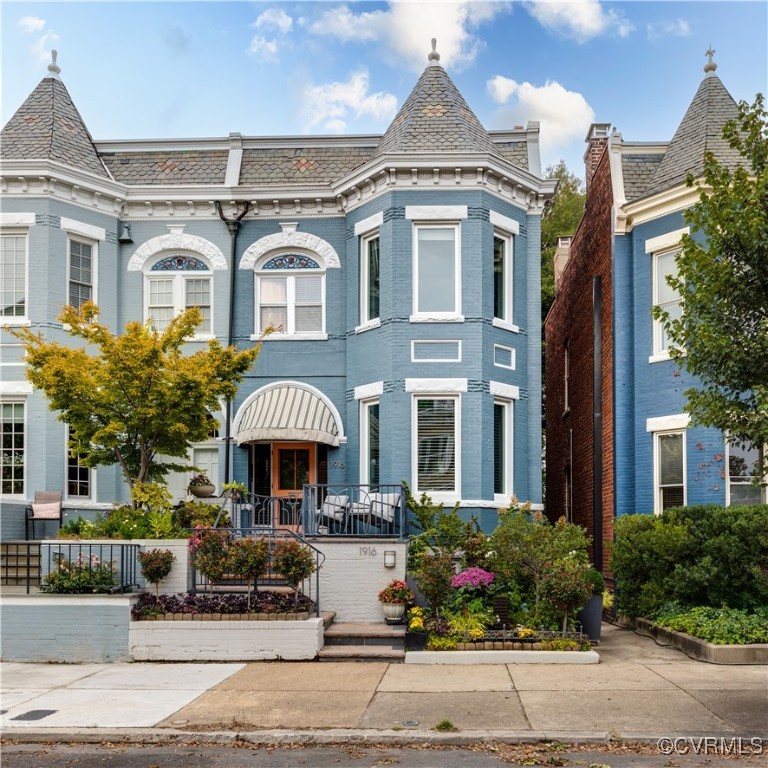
293, 468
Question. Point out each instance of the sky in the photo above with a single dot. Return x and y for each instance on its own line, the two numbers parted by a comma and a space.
198, 69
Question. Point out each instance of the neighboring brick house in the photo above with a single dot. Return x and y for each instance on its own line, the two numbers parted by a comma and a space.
403, 269
648, 458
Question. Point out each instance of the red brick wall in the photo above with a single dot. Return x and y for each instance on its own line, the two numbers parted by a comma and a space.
571, 320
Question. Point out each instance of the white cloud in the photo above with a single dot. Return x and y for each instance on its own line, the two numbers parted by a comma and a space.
406, 29
578, 19
274, 18
31, 23
262, 47
331, 105
41, 48
668, 28
565, 116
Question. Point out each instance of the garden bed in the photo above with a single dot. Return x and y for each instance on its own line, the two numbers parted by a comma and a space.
502, 657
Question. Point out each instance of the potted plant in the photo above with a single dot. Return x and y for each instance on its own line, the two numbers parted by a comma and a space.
156, 564
416, 629
201, 486
236, 492
591, 615
394, 598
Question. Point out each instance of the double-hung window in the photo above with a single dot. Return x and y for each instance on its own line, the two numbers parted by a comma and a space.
665, 297
437, 290
369, 442
13, 277
12, 448
78, 479
370, 275
436, 438
175, 283
502, 448
290, 297
502, 277
744, 474
669, 450
81, 273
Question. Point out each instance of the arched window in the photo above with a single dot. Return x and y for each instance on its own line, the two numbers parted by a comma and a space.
175, 282
290, 295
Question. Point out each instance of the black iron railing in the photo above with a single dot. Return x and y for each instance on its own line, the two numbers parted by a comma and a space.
20, 564
264, 513
354, 511
81, 566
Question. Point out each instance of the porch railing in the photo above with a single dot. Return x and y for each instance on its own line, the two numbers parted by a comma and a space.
262, 513
272, 579
354, 511
103, 567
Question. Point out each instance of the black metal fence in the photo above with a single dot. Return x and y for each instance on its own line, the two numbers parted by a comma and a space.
82, 567
20, 564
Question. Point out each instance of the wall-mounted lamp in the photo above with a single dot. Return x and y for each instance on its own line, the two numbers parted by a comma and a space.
125, 234
390, 558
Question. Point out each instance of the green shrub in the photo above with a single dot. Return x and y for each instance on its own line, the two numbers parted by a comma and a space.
85, 575
704, 555
156, 564
721, 626
295, 562
433, 576
191, 514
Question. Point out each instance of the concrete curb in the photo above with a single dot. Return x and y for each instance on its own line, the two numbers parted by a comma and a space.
322, 738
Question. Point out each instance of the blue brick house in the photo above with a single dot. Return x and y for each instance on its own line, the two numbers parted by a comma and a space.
622, 385
402, 271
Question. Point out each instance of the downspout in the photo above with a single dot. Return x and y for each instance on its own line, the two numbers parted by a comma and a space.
597, 420
233, 225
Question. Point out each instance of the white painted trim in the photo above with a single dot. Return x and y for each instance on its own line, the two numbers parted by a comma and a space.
303, 242
176, 241
493, 504
436, 386
369, 224
433, 316
19, 321
367, 391
435, 212
369, 325
508, 276
666, 241
657, 329
364, 421
415, 359
179, 291
291, 337
513, 357
509, 446
15, 388
289, 332
78, 238
81, 228
234, 163
656, 469
662, 357
365, 276
17, 219
505, 391
436, 317
510, 226
444, 496
505, 325
667, 423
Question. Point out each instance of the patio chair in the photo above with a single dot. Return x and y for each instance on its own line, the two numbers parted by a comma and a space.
45, 507
384, 507
334, 512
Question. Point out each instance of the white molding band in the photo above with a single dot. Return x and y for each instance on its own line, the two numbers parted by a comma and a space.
504, 222
15, 388
367, 391
176, 241
505, 391
436, 212
435, 386
303, 241
369, 224
664, 423
666, 241
81, 228
17, 219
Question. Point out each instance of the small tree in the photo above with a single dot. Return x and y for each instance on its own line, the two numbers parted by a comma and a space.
132, 398
209, 548
295, 562
433, 576
248, 559
722, 336
156, 564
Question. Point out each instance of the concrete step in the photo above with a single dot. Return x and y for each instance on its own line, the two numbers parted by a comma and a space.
347, 641
361, 653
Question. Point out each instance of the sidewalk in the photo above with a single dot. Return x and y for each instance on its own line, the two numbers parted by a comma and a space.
639, 690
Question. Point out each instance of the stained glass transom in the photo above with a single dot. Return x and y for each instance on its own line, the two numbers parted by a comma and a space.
291, 261
177, 263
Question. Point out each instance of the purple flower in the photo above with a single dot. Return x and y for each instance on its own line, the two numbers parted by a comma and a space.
472, 577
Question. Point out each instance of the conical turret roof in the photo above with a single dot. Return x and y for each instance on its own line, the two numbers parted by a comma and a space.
435, 117
700, 131
47, 126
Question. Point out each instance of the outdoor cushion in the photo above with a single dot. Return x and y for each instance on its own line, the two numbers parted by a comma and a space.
383, 505
51, 511
334, 506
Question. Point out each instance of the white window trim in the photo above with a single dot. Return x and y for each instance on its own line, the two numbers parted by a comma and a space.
763, 491
435, 212
369, 326
11, 396
509, 279
366, 226
509, 450
365, 322
445, 496
504, 391
82, 230
660, 246
454, 316
666, 242
370, 391
415, 359
657, 469
513, 357
504, 325
365, 404
436, 386
91, 478
18, 228
179, 294
77, 238
673, 423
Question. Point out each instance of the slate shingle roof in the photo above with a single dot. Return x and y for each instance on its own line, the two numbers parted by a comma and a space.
638, 170
301, 165
190, 167
700, 131
516, 152
435, 117
48, 126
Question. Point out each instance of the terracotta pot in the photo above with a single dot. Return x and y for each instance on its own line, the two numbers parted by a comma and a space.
202, 491
393, 612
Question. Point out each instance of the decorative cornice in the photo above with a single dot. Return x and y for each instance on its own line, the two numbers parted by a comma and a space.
176, 241
303, 241
654, 207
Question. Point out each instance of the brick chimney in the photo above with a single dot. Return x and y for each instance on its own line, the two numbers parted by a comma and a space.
562, 252
597, 139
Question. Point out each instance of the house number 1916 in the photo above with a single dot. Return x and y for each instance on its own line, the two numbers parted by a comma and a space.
337, 464
367, 551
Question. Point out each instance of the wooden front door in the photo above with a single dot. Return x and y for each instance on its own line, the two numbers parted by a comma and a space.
293, 465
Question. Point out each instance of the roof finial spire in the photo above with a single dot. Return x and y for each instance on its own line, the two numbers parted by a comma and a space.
53, 67
710, 66
434, 56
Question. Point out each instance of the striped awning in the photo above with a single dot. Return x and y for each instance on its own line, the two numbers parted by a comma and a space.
287, 412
